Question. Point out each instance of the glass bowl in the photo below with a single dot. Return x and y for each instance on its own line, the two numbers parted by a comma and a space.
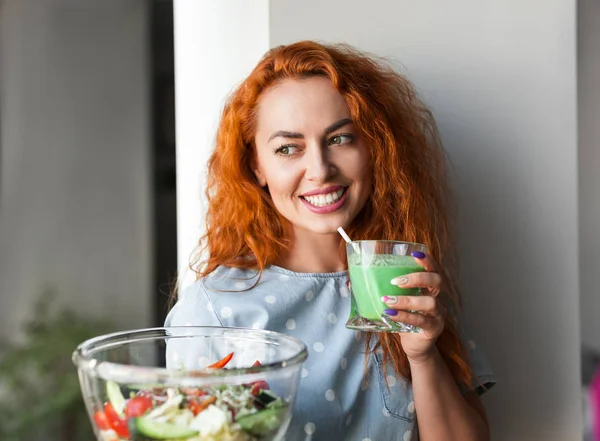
182, 383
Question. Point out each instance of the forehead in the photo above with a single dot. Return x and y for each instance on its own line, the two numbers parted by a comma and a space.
300, 105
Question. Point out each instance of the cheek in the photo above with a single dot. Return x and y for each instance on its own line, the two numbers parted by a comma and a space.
282, 181
357, 168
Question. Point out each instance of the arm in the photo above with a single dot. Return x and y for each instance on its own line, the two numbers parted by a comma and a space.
443, 412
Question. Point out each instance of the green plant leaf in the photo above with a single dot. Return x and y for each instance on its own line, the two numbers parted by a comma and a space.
39, 386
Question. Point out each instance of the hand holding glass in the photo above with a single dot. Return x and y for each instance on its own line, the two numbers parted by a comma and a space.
372, 265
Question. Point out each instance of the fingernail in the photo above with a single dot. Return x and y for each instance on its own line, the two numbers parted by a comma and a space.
418, 254
391, 312
399, 281
389, 300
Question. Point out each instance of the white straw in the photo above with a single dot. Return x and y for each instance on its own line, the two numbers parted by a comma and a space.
348, 240
344, 235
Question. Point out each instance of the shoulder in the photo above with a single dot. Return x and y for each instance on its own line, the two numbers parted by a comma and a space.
226, 279
235, 280
193, 308
195, 304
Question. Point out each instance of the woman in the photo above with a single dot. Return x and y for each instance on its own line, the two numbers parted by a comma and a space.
319, 137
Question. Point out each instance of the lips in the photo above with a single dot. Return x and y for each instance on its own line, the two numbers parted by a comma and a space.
326, 190
323, 199
326, 200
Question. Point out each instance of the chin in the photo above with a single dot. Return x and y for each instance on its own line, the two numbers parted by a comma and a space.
324, 228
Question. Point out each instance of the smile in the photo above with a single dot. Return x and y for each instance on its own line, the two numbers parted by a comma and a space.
325, 201
322, 200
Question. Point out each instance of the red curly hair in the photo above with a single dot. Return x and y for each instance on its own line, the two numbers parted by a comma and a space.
410, 193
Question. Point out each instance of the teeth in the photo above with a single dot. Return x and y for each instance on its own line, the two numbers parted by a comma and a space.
325, 199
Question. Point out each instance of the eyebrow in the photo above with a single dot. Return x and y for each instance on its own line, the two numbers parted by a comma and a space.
296, 135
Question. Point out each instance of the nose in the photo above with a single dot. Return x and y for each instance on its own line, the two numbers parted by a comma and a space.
319, 167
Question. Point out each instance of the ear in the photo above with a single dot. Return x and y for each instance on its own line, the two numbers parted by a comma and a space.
260, 177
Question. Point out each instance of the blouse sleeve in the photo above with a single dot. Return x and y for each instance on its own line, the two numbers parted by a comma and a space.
483, 375
193, 308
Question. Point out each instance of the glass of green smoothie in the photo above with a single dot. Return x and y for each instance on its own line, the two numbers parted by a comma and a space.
372, 265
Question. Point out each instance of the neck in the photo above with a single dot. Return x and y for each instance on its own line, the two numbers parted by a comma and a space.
313, 253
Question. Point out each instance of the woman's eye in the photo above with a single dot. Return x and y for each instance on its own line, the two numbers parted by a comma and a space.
341, 139
286, 150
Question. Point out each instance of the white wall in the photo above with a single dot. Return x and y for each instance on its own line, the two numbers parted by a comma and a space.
217, 44
500, 77
589, 167
75, 176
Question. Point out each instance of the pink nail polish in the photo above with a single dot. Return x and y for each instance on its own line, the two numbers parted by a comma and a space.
385, 299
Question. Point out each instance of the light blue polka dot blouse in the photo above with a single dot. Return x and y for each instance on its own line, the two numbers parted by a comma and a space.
334, 401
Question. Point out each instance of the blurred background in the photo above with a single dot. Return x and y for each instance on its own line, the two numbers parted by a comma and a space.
107, 114
88, 203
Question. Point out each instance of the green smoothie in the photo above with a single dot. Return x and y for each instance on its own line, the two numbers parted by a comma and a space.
371, 280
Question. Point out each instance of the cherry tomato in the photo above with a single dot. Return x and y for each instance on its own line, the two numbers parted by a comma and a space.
101, 420
116, 423
137, 406
257, 386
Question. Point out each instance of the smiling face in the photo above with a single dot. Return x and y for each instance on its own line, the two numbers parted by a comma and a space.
309, 155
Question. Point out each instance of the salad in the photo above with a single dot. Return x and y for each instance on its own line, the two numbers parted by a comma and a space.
246, 412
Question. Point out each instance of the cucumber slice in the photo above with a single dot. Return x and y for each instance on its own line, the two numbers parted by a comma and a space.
265, 397
152, 429
264, 421
116, 398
